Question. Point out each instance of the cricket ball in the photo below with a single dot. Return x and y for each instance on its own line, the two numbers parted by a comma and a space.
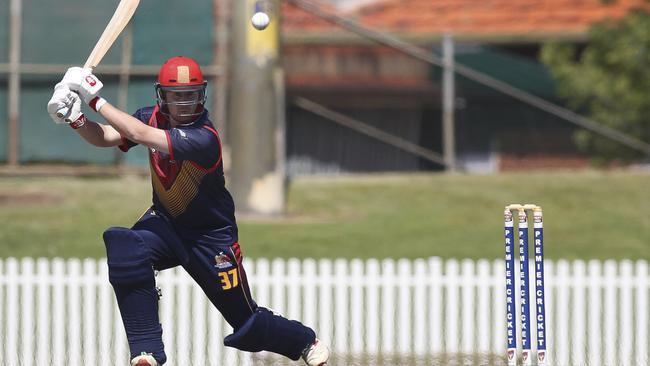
260, 20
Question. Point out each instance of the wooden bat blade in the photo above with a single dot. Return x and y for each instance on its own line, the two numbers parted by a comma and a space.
121, 17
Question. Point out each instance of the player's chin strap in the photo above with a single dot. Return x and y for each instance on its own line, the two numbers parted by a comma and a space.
186, 124
197, 117
164, 109
266, 331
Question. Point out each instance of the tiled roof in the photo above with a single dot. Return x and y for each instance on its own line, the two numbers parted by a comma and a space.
471, 17
296, 20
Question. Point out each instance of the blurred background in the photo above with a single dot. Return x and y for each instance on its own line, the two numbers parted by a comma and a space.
371, 146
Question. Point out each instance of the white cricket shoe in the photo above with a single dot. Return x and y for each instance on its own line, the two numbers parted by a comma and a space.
317, 354
145, 359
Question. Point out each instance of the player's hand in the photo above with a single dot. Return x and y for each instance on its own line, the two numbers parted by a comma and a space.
65, 99
62, 99
83, 82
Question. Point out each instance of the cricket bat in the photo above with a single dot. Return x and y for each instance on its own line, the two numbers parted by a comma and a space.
121, 17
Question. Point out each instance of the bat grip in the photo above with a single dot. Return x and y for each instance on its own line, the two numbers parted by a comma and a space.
62, 112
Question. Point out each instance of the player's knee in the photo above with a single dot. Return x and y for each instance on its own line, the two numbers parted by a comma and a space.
266, 331
128, 258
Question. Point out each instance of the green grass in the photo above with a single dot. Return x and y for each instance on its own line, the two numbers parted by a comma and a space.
587, 215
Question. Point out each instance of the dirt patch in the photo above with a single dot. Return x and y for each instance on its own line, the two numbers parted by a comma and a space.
23, 199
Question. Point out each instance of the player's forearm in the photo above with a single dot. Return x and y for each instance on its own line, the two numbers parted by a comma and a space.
127, 125
99, 135
132, 129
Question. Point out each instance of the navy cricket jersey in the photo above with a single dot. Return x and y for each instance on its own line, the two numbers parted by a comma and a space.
188, 183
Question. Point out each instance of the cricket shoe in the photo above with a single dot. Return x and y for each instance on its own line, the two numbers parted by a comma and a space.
316, 354
145, 359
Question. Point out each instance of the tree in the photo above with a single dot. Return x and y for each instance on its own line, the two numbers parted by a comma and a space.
609, 81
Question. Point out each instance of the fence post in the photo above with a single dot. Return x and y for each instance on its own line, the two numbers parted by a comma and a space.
420, 282
388, 306
626, 310
578, 314
43, 318
279, 276
484, 321
435, 306
610, 312
562, 325
372, 306
356, 306
181, 312
90, 283
74, 308
404, 306
326, 321
551, 316
594, 312
13, 313
451, 305
642, 286
106, 301
467, 306
309, 279
499, 340
58, 308
261, 281
341, 307
27, 310
293, 289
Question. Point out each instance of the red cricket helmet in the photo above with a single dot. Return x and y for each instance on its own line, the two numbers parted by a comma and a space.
181, 83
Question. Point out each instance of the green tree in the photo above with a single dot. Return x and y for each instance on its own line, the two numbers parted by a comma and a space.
609, 81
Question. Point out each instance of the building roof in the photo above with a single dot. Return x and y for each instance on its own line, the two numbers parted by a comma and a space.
296, 20
467, 18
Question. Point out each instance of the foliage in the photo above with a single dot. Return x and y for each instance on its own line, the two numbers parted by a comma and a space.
609, 80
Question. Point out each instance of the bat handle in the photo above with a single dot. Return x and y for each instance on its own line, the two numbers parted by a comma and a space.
62, 112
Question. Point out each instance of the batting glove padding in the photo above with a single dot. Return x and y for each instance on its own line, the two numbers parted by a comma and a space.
83, 82
64, 98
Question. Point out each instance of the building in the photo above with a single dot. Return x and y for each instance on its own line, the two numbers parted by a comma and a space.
401, 95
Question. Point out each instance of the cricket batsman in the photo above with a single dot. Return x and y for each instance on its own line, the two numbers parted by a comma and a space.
191, 222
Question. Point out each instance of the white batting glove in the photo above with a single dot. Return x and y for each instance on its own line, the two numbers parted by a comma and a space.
63, 99
83, 82
75, 118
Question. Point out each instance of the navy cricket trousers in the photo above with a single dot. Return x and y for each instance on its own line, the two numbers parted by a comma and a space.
211, 258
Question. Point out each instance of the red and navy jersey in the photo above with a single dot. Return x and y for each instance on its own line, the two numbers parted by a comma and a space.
188, 183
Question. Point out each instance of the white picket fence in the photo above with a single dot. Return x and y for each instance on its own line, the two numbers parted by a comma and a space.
420, 312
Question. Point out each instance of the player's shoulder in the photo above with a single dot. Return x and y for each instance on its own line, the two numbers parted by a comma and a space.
209, 129
144, 113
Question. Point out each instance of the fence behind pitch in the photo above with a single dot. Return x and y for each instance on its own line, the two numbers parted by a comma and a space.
422, 312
